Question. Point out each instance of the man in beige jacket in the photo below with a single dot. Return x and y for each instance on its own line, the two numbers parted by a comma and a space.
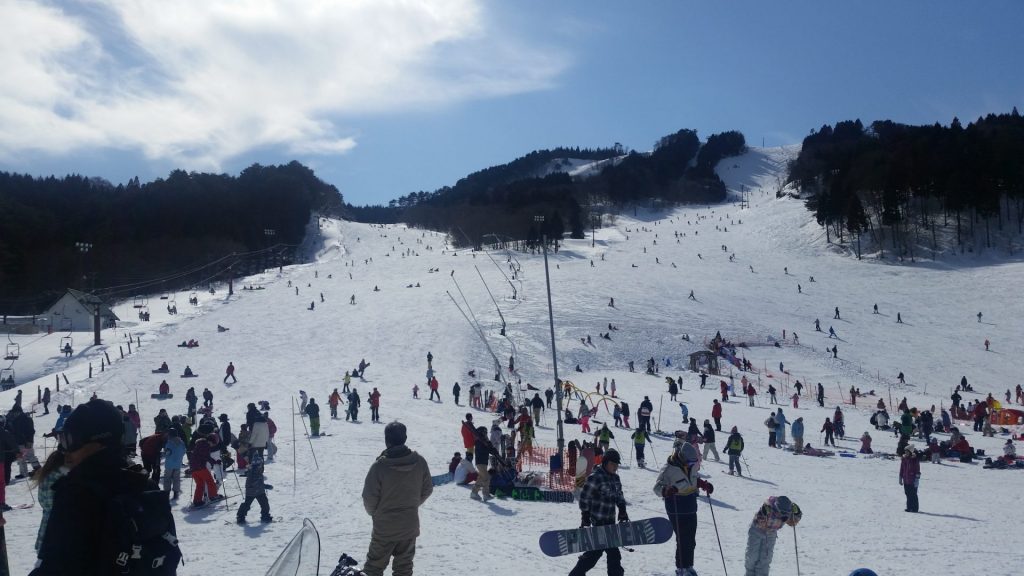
397, 484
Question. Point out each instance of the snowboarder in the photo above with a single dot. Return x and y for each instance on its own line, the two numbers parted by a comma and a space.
456, 390
598, 501
678, 484
207, 398
734, 449
836, 317
764, 530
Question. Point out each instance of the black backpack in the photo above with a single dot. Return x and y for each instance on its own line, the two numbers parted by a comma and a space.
142, 527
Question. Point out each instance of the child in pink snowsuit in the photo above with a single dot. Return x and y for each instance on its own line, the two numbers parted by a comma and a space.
585, 423
796, 400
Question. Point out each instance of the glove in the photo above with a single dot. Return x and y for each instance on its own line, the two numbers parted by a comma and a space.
669, 491
709, 488
623, 517
585, 518
917, 482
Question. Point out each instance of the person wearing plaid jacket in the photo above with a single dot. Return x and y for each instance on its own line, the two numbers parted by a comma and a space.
600, 498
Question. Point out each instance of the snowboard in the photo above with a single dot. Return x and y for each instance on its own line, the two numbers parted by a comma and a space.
441, 479
158, 371
162, 396
193, 375
577, 540
534, 494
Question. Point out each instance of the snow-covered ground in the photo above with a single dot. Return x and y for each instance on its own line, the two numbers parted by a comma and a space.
853, 507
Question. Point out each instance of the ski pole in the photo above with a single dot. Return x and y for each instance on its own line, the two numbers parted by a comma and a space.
653, 455
797, 550
745, 463
631, 454
720, 551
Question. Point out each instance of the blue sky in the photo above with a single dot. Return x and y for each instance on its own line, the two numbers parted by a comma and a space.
386, 97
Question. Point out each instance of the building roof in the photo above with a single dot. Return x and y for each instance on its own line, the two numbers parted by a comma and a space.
89, 301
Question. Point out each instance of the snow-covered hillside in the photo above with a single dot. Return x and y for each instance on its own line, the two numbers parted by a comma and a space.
649, 263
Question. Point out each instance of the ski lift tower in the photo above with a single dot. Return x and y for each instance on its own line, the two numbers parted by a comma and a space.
554, 356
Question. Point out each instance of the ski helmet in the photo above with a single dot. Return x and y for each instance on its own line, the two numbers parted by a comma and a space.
863, 572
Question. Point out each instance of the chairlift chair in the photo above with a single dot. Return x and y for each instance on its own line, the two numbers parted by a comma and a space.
13, 349
7, 377
139, 302
66, 341
165, 296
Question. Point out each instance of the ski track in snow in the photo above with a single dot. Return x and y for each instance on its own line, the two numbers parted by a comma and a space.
853, 508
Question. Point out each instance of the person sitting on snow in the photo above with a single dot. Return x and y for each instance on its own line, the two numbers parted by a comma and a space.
165, 388
1009, 451
188, 372
164, 368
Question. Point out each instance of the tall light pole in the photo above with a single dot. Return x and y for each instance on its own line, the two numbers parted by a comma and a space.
269, 234
83, 249
554, 355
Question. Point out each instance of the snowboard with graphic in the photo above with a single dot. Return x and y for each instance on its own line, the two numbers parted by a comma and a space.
577, 540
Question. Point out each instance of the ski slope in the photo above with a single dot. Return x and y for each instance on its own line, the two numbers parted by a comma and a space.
853, 507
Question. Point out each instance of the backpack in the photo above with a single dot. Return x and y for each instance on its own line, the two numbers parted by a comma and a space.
144, 537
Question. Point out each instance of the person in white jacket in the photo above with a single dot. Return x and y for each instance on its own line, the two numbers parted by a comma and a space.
678, 483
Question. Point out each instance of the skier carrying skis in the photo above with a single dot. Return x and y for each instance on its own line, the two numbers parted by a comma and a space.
764, 531
599, 499
678, 483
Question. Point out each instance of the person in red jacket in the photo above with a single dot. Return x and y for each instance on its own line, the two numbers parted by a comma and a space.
910, 477
165, 388
229, 372
716, 413
151, 449
468, 435
375, 405
724, 388
198, 461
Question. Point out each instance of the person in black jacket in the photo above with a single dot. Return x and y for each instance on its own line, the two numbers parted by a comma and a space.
9, 452
24, 433
78, 540
482, 449
599, 500
313, 411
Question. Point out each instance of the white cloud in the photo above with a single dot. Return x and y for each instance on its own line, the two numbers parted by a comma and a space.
199, 82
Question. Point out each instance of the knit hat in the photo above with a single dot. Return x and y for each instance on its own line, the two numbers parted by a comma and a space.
612, 455
784, 505
687, 452
95, 421
734, 430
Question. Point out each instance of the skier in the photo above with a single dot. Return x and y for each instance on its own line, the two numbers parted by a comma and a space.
313, 411
601, 495
910, 477
723, 388
734, 449
771, 393
829, 429
255, 489
709, 442
644, 414
764, 531
468, 432
192, 400
538, 406
832, 333
836, 317
353, 405
640, 438
229, 372
821, 395
685, 412
174, 453
678, 484
780, 429
456, 390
